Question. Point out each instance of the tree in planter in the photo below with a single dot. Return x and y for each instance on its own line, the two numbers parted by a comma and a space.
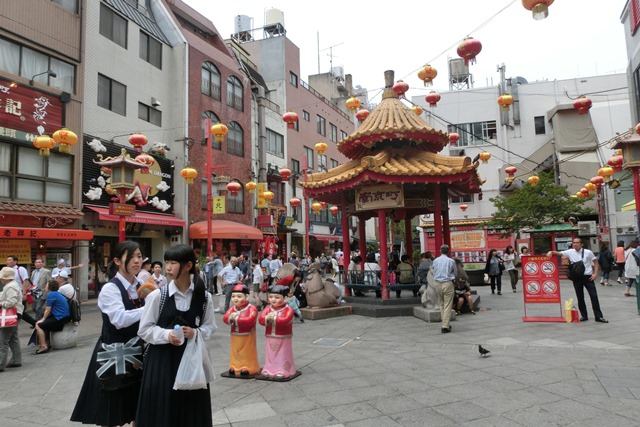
534, 206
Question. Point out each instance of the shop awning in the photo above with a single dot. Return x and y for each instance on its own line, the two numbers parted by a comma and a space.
223, 229
140, 217
327, 237
630, 206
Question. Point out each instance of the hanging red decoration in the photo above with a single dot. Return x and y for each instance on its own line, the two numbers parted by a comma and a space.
616, 163
400, 88
138, 141
539, 8
290, 118
427, 74
285, 173
295, 202
454, 138
234, 187
584, 192
463, 207
510, 171
469, 49
582, 104
597, 180
362, 114
333, 210
432, 98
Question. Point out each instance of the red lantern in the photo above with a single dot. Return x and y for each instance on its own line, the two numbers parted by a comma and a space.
333, 210
233, 187
290, 118
454, 138
295, 202
582, 104
616, 163
427, 74
138, 141
285, 173
323, 204
362, 114
597, 180
400, 88
463, 207
432, 98
539, 8
584, 192
505, 101
469, 49
510, 171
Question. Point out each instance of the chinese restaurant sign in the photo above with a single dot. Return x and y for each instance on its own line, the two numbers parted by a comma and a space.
379, 197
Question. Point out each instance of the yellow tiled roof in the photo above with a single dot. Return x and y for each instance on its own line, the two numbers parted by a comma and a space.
392, 123
406, 163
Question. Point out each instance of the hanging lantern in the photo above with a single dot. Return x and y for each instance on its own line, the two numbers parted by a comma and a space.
538, 8
432, 98
285, 173
362, 115
584, 192
605, 173
582, 104
316, 207
189, 174
290, 118
427, 74
320, 147
484, 156
463, 207
44, 143
469, 49
147, 160
591, 187
234, 187
268, 195
219, 131
353, 104
66, 139
400, 88
417, 109
138, 141
251, 186
295, 202
333, 210
505, 101
454, 138
324, 205
574, 196
616, 163
510, 171
533, 180
597, 180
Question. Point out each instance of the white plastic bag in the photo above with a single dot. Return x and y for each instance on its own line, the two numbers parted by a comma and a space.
195, 370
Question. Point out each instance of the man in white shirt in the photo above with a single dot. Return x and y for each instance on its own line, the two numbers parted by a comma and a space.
158, 279
66, 288
591, 269
145, 271
21, 272
228, 278
444, 273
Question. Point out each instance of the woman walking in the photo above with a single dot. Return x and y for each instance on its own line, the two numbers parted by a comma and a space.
510, 257
494, 268
606, 261
620, 259
631, 268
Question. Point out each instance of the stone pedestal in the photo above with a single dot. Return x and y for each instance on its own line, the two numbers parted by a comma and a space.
430, 315
325, 313
66, 338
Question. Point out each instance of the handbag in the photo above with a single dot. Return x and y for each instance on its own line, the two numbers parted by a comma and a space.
8, 317
575, 272
119, 364
195, 370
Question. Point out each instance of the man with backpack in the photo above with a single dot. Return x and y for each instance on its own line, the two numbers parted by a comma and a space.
578, 254
69, 292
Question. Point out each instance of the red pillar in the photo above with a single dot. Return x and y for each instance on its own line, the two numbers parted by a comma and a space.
208, 172
122, 194
362, 235
437, 220
446, 226
384, 251
346, 246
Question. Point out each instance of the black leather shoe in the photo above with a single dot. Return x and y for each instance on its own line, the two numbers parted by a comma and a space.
583, 319
14, 365
602, 320
445, 330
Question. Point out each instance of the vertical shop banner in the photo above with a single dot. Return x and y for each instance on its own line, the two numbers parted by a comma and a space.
219, 205
541, 280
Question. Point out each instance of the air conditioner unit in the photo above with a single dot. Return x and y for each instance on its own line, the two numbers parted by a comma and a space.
631, 230
587, 228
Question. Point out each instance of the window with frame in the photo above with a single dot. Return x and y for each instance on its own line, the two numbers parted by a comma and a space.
275, 143
203, 194
211, 80
334, 163
539, 125
333, 132
309, 154
321, 125
205, 132
235, 203
150, 50
295, 166
112, 95
113, 26
235, 97
474, 133
306, 116
278, 189
293, 79
70, 5
297, 213
464, 199
149, 114
235, 139
322, 162
27, 176
343, 134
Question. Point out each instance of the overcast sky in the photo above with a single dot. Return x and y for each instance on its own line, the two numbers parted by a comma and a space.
580, 38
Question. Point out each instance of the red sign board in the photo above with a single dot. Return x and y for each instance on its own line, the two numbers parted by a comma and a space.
541, 280
122, 209
264, 221
45, 233
25, 109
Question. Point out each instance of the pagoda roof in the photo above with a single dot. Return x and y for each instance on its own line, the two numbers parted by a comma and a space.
396, 165
393, 124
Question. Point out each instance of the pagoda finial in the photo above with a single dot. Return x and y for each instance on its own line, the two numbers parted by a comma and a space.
388, 79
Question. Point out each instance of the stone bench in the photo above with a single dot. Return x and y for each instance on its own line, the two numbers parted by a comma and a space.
66, 338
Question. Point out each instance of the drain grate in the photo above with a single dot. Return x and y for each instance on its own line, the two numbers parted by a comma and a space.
331, 342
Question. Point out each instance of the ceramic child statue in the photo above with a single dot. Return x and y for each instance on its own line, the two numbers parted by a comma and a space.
242, 317
279, 364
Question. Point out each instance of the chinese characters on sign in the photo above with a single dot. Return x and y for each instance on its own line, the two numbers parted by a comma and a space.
27, 110
541, 281
219, 205
379, 197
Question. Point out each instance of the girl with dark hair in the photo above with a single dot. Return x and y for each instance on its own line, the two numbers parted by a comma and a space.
620, 260
121, 311
494, 268
510, 257
185, 302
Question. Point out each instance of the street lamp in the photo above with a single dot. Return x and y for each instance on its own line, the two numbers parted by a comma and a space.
50, 73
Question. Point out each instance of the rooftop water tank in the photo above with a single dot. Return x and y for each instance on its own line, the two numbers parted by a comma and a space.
242, 23
273, 17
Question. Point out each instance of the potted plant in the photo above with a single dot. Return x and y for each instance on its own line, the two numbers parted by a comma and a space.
475, 272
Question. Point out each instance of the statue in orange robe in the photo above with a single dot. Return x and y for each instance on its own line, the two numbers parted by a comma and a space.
242, 317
